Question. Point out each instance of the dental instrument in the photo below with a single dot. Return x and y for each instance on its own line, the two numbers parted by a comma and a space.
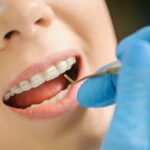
111, 68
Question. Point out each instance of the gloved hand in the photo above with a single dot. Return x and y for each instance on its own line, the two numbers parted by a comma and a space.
130, 90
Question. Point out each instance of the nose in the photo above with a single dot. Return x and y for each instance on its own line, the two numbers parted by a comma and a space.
23, 18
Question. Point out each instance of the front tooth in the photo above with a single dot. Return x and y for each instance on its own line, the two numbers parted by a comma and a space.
62, 66
7, 96
16, 90
25, 85
51, 73
37, 80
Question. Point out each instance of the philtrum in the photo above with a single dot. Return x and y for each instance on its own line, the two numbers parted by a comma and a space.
110, 68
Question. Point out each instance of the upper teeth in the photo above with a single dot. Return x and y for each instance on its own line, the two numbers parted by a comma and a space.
38, 79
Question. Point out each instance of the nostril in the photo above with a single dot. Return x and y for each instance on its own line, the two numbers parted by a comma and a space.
43, 22
10, 34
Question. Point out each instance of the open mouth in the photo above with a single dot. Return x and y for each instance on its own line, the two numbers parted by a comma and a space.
48, 90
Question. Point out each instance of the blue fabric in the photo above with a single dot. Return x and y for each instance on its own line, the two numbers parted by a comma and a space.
130, 90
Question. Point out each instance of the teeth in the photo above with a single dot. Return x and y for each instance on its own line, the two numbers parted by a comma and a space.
16, 90
25, 85
38, 79
71, 61
53, 100
61, 94
51, 73
62, 66
7, 96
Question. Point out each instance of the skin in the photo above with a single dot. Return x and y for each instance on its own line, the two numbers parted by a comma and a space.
84, 25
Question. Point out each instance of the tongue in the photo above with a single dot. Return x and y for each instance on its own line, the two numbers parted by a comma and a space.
39, 94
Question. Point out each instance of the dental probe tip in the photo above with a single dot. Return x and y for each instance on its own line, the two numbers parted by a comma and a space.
69, 79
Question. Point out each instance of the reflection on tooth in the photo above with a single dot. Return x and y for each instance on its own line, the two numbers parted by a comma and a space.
62, 66
37, 80
51, 73
25, 85
7, 96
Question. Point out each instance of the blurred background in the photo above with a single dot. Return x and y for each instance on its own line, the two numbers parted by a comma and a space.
129, 15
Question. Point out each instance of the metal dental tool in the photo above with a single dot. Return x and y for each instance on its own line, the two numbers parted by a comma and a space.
111, 68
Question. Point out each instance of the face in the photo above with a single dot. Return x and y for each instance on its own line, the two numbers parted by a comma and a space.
40, 41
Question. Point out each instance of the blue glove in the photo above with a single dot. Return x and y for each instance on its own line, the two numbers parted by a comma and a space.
130, 90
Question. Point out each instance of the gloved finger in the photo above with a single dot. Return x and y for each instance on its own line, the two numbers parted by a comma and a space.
99, 91
130, 126
142, 35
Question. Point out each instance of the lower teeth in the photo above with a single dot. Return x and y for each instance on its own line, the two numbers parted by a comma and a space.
54, 99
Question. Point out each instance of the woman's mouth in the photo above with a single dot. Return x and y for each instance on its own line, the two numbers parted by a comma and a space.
47, 93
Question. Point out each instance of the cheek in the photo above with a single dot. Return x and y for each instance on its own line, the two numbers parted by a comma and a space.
99, 57
77, 15
95, 62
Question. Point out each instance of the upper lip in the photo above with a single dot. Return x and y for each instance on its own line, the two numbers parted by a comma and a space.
38, 67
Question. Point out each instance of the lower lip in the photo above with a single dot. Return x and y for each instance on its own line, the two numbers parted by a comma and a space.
67, 104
